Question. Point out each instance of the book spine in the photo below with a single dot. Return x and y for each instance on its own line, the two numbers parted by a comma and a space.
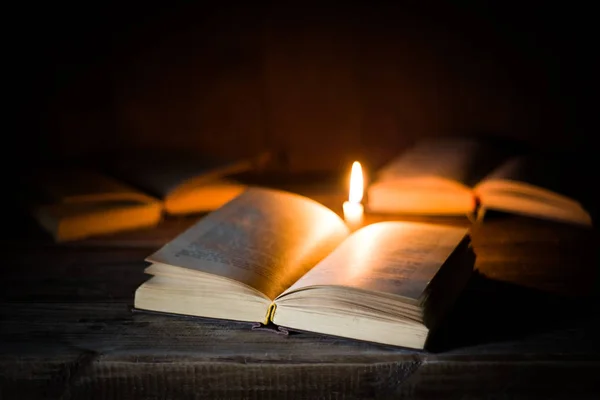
270, 313
477, 209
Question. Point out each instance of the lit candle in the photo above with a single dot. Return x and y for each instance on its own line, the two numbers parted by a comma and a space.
353, 209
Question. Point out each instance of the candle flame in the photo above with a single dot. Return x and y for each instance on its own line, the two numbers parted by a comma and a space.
356, 183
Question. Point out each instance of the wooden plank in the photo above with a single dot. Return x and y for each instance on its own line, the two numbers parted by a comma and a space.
116, 380
419, 78
192, 80
67, 330
102, 350
526, 252
311, 92
545, 255
142, 380
42, 330
76, 282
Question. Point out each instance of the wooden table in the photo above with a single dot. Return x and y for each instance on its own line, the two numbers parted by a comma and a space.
526, 327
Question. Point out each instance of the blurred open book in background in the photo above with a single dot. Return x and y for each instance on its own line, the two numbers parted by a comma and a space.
468, 176
74, 202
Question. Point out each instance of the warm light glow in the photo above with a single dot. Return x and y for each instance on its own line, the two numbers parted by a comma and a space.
353, 209
356, 183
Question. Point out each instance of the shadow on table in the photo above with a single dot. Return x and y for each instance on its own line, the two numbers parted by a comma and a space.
491, 311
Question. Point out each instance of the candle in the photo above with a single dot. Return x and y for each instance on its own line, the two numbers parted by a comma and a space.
353, 209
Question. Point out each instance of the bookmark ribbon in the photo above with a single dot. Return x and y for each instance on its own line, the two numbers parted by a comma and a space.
270, 314
268, 325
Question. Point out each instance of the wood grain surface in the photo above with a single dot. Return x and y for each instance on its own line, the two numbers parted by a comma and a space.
525, 327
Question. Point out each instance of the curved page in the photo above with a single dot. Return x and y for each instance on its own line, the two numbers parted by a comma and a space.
461, 160
266, 239
552, 176
161, 174
398, 258
61, 185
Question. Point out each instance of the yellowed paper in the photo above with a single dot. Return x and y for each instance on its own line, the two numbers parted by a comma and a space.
399, 258
460, 160
264, 238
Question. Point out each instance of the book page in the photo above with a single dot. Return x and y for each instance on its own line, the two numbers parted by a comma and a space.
163, 174
546, 186
203, 198
398, 258
80, 185
462, 160
266, 239
549, 172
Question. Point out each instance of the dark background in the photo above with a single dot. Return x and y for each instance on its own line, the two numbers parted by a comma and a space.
321, 84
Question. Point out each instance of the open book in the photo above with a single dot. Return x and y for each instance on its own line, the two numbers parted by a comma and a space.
74, 204
454, 176
279, 258
184, 182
